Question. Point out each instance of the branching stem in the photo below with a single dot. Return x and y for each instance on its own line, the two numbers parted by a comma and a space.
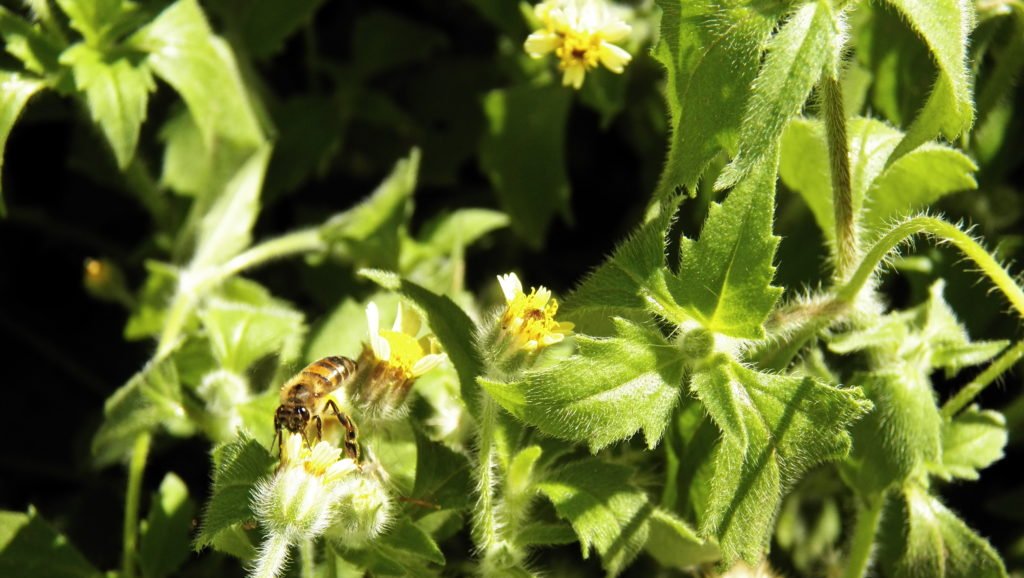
137, 466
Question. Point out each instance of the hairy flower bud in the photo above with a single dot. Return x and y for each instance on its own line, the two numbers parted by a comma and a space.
363, 512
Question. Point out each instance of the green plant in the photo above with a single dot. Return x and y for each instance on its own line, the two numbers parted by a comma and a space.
497, 427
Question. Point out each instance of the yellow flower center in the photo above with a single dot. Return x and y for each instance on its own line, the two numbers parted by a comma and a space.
578, 48
405, 350
531, 319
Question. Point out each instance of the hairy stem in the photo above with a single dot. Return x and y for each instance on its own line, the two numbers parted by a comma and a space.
859, 560
485, 520
307, 554
964, 397
194, 285
839, 165
140, 451
272, 558
945, 232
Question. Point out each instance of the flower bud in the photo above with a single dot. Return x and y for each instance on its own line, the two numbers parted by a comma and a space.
362, 513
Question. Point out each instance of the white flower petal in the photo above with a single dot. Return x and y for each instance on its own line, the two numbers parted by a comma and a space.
510, 286
407, 321
615, 30
573, 76
540, 43
379, 345
428, 362
613, 57
543, 295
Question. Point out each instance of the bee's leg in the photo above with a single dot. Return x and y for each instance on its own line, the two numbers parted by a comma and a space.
351, 441
319, 428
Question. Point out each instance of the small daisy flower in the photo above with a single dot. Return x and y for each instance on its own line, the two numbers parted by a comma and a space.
582, 34
529, 319
391, 362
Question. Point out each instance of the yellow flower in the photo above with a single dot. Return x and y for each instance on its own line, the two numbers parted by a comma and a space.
399, 348
322, 460
529, 319
581, 33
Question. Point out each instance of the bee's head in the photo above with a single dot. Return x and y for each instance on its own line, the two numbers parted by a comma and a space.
292, 417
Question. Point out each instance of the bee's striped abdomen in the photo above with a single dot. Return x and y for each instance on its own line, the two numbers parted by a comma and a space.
329, 373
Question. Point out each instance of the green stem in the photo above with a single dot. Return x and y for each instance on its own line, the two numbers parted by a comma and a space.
308, 555
945, 232
194, 285
272, 558
147, 192
964, 397
859, 560
839, 165
485, 530
136, 467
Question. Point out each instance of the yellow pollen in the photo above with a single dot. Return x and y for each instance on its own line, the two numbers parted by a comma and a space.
405, 350
581, 48
531, 319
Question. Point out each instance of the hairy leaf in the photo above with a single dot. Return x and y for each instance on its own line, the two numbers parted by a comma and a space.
608, 513
15, 90
971, 441
582, 397
238, 465
711, 50
117, 91
523, 155
404, 550
193, 166
241, 334
724, 279
674, 544
165, 535
29, 546
442, 475
774, 429
795, 59
183, 51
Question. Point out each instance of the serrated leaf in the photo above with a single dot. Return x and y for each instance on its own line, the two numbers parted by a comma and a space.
117, 92
795, 58
921, 537
404, 550
915, 181
608, 513
226, 229
944, 26
450, 324
165, 536
238, 465
151, 399
804, 164
774, 429
628, 284
971, 441
581, 398
183, 51
523, 156
241, 334
711, 50
724, 279
97, 20
27, 42
370, 233
442, 475
29, 546
15, 90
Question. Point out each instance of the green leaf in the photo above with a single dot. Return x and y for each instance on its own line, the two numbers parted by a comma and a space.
608, 513
442, 475
242, 334
29, 546
15, 90
523, 155
238, 465
164, 543
921, 537
151, 399
194, 167
147, 317
944, 26
774, 429
226, 229
28, 43
405, 550
804, 164
370, 233
795, 59
183, 51
461, 228
674, 544
629, 282
383, 40
117, 91
450, 324
711, 50
724, 279
264, 26
581, 398
916, 180
545, 534
971, 441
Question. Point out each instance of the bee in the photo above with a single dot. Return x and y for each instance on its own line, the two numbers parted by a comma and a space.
306, 397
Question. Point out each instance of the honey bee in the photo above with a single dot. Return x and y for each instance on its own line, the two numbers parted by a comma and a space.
306, 397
